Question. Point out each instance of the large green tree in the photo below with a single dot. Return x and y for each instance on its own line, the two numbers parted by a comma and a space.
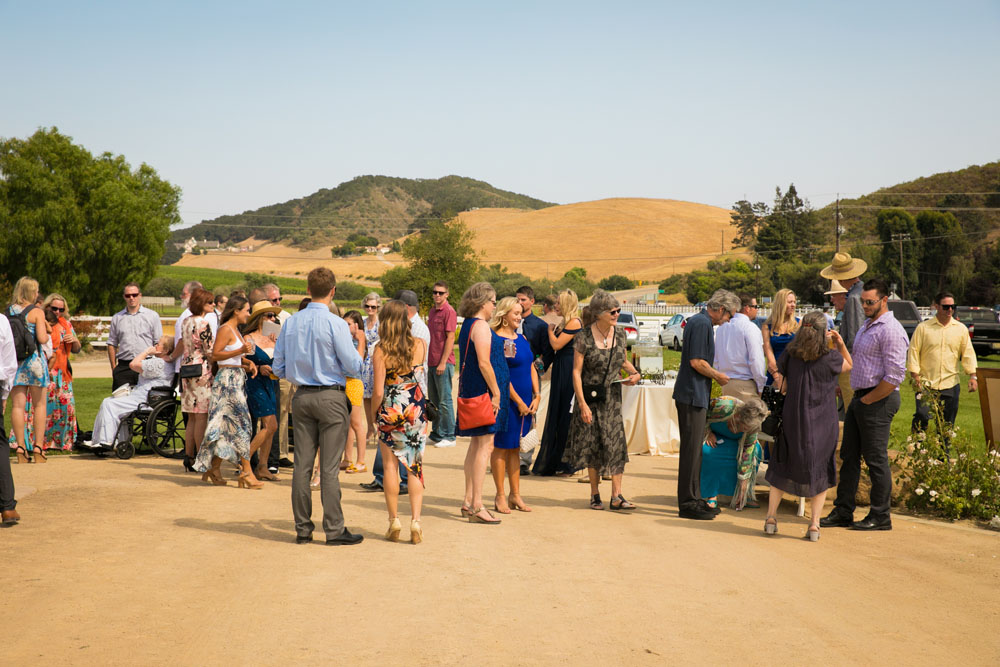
442, 252
82, 225
944, 253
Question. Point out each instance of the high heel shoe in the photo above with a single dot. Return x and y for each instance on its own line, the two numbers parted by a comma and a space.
212, 477
22, 455
416, 532
466, 511
770, 526
39, 455
496, 506
812, 534
395, 528
243, 481
189, 464
265, 474
517, 504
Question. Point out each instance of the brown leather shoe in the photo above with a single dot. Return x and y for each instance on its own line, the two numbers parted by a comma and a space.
9, 517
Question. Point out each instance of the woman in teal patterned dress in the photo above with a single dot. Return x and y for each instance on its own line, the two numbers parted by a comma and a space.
400, 394
32, 373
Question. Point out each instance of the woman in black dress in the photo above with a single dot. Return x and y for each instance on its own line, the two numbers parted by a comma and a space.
803, 461
558, 417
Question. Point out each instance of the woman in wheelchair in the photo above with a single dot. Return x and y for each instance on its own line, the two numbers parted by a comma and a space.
154, 371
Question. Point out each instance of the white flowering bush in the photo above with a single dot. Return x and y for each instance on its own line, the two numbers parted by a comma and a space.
964, 485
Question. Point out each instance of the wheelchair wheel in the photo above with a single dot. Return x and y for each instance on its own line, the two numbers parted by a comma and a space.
165, 430
125, 449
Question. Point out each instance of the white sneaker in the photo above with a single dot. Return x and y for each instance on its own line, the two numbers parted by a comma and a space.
444, 443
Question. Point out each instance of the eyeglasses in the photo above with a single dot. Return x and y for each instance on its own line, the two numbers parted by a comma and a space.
615, 311
57, 310
493, 301
370, 306
132, 296
275, 301
753, 305
269, 316
946, 306
437, 293
871, 302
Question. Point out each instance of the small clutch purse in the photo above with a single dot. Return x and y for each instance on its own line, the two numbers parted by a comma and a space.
192, 371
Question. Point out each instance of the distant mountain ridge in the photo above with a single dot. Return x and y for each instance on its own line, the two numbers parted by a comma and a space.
386, 207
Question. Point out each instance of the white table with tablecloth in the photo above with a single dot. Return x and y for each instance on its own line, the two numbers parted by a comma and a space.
650, 418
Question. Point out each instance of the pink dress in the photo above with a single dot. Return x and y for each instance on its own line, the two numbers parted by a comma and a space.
196, 393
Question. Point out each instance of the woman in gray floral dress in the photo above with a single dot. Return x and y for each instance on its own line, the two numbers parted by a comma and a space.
597, 433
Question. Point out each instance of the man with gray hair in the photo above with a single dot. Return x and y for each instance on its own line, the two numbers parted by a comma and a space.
692, 391
739, 352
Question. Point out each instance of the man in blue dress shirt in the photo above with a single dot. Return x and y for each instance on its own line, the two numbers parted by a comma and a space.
316, 353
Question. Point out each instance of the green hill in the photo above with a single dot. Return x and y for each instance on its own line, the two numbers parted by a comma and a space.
381, 206
929, 192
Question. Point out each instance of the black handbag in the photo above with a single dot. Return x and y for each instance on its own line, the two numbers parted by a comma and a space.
598, 393
775, 402
192, 371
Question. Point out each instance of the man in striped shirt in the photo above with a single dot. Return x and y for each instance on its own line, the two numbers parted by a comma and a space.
879, 368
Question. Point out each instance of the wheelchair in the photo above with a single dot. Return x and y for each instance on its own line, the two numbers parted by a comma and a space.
157, 424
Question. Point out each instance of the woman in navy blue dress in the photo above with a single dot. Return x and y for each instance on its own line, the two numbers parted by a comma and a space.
558, 417
483, 370
262, 389
520, 407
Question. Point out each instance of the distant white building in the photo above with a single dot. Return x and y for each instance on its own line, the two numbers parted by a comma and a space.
192, 243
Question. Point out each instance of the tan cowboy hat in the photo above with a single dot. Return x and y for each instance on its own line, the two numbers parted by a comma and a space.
835, 288
844, 267
258, 311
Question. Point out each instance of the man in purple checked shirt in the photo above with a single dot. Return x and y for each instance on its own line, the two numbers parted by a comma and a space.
879, 368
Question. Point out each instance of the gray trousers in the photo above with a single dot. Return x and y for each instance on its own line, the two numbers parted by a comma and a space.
321, 419
7, 501
691, 424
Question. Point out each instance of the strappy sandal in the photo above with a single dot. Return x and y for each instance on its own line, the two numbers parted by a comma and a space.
39, 455
595, 502
622, 503
356, 467
771, 526
22, 455
466, 511
812, 534
475, 518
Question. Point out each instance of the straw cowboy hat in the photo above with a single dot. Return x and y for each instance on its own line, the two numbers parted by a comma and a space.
835, 288
844, 267
258, 311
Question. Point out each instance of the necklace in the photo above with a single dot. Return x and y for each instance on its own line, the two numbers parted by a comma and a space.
606, 335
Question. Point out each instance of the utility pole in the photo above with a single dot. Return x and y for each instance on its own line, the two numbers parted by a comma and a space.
836, 222
902, 275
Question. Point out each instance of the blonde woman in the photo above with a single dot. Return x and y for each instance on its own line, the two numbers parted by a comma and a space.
399, 393
558, 418
32, 373
369, 306
520, 408
778, 331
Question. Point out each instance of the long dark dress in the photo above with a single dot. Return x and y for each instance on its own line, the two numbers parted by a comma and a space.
472, 383
520, 377
600, 444
558, 418
803, 459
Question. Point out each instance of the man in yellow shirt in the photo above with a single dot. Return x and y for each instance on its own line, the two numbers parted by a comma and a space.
937, 347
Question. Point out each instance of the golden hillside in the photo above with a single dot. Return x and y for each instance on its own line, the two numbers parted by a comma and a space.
646, 239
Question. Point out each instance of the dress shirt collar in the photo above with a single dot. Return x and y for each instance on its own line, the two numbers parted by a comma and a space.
881, 319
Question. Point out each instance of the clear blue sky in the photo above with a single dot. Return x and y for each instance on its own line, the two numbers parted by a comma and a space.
251, 103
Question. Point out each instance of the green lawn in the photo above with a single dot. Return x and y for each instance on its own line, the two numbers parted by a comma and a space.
212, 278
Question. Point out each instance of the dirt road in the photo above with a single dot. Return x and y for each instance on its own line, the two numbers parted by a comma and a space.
136, 562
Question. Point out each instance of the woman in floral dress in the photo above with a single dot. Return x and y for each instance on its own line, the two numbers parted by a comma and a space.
32, 373
400, 394
198, 336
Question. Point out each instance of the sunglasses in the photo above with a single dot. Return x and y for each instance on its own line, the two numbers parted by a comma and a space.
369, 306
57, 310
947, 306
132, 296
870, 302
754, 306
615, 311
275, 301
437, 293
269, 316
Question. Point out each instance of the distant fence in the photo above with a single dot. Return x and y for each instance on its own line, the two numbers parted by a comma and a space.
95, 329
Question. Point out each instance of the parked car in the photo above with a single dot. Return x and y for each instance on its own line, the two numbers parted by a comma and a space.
672, 333
907, 314
984, 329
630, 325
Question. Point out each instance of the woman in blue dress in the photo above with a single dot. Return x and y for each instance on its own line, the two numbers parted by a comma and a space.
483, 371
262, 389
731, 454
558, 417
32, 373
520, 409
779, 330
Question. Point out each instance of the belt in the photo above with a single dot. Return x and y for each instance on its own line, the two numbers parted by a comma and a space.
335, 387
861, 392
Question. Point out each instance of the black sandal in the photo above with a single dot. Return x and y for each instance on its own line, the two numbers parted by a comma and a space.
622, 503
595, 502
22, 454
